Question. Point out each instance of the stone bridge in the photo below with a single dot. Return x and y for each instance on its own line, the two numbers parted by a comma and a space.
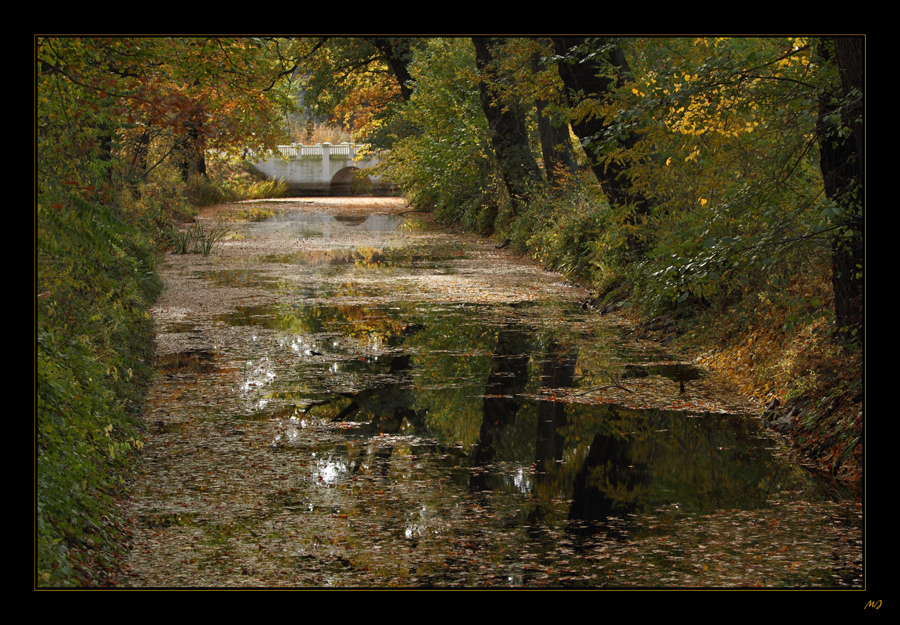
321, 169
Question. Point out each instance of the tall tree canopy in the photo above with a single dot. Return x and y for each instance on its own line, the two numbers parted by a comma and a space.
741, 158
356, 82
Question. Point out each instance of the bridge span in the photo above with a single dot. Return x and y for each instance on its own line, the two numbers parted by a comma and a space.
321, 169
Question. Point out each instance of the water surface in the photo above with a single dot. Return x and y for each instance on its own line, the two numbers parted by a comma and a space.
366, 401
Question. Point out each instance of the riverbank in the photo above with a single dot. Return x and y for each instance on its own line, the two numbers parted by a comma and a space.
821, 411
808, 390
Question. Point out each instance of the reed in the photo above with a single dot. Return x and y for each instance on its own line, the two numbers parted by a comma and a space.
195, 240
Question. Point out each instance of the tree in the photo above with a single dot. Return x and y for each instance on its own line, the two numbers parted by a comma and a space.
356, 82
397, 51
768, 126
440, 145
525, 77
556, 147
726, 146
592, 70
841, 154
506, 120
726, 126
98, 96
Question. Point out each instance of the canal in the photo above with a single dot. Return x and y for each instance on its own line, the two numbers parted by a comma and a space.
349, 396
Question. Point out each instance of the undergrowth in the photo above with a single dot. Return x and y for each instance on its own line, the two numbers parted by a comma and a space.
95, 281
228, 181
96, 278
563, 228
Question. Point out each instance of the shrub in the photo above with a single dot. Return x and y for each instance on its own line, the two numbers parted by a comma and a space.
231, 181
96, 278
565, 229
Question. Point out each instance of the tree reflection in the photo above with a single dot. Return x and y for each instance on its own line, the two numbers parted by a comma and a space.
508, 379
472, 376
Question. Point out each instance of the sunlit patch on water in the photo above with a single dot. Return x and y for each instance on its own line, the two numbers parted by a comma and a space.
333, 226
329, 471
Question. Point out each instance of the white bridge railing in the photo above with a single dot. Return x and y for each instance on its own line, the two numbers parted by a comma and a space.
321, 150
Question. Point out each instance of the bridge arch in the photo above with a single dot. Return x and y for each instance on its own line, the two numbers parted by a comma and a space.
342, 183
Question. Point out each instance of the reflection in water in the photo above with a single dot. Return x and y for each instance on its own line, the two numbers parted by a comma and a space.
329, 471
328, 226
507, 380
606, 460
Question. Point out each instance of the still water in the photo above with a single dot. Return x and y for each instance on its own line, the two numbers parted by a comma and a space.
355, 400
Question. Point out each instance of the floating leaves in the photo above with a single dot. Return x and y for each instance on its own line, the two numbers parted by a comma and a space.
440, 437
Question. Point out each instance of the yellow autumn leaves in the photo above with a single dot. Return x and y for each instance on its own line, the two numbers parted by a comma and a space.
715, 113
719, 108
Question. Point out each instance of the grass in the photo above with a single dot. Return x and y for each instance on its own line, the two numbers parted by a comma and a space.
255, 214
195, 240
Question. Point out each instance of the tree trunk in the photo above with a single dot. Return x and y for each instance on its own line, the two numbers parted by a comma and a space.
556, 147
598, 78
398, 52
506, 120
841, 162
190, 150
141, 147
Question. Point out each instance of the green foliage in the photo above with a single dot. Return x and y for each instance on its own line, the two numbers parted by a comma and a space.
728, 149
96, 277
76, 444
443, 162
564, 228
154, 203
